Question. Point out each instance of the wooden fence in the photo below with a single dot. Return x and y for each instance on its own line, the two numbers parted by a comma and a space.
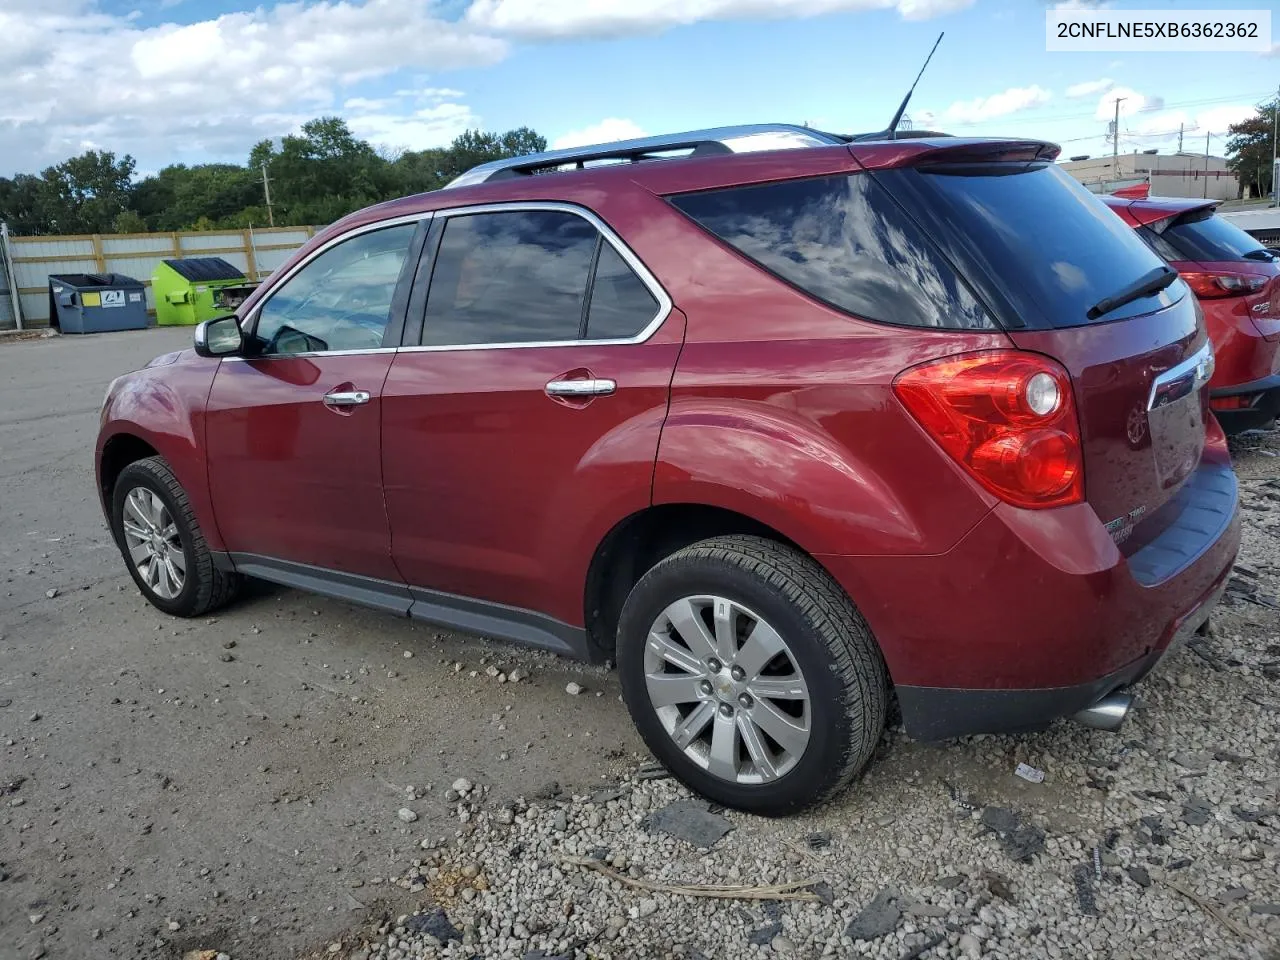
256, 252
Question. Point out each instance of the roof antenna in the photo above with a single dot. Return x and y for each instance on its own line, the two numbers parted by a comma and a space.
902, 108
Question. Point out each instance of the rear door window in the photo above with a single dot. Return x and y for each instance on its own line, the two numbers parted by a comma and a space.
510, 277
1204, 236
845, 241
1048, 247
621, 305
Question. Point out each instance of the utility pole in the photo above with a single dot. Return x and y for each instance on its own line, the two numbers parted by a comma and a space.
1206, 164
1180, 126
266, 188
1275, 149
1115, 139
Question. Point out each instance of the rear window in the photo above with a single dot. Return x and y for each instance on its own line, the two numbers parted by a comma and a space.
1201, 235
845, 241
1036, 238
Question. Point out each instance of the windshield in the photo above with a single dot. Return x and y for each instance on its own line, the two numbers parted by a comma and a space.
1045, 248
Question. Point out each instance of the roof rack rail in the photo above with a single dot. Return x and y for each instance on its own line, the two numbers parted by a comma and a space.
715, 140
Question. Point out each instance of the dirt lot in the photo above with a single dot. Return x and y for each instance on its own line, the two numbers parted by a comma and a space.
234, 784
234, 791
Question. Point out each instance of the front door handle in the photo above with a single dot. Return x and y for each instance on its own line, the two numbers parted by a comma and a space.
347, 398
581, 388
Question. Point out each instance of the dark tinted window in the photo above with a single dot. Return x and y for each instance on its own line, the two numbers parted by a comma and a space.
1160, 245
844, 240
513, 277
1052, 248
341, 300
621, 305
1203, 236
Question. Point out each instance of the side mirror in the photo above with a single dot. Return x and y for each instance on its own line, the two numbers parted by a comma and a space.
219, 337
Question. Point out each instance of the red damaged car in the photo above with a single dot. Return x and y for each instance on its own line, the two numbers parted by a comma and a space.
1237, 281
782, 422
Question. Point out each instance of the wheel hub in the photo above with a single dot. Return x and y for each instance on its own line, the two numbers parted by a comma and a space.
153, 543
727, 689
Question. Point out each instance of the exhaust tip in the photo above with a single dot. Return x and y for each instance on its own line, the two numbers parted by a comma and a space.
1108, 714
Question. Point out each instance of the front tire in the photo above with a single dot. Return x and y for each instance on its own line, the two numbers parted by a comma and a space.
751, 675
162, 543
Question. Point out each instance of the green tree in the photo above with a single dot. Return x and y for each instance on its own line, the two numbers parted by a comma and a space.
177, 196
86, 193
22, 204
431, 169
1250, 150
317, 176
128, 221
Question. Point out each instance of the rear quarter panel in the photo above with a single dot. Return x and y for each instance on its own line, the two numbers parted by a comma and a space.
783, 409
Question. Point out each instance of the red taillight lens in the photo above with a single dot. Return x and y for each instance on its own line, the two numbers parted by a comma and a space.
1212, 286
1238, 402
1005, 416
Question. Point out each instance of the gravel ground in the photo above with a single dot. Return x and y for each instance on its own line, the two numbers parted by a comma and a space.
299, 777
1161, 841
172, 785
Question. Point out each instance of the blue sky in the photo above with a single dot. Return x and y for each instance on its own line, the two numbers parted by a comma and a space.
197, 80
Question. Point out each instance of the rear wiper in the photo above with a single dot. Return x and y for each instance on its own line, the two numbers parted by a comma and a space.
1265, 255
1145, 286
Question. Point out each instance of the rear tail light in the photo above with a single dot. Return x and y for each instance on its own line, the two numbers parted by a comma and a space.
1210, 286
1007, 417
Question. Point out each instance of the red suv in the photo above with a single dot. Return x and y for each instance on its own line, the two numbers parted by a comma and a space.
780, 421
1237, 280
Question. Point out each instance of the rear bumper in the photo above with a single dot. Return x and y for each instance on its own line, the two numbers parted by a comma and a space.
938, 713
1264, 403
1037, 614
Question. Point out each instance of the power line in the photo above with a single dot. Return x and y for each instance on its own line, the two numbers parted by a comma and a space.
1063, 118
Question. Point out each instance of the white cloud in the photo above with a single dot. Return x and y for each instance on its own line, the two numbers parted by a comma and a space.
213, 87
1089, 87
606, 131
1160, 129
554, 19
429, 127
434, 94
1001, 104
1131, 102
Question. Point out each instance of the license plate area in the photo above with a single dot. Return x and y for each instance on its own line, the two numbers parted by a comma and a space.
1175, 415
1177, 438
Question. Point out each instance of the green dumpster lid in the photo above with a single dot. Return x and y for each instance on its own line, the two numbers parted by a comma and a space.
205, 269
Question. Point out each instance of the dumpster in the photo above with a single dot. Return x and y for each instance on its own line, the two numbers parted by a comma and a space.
195, 289
96, 303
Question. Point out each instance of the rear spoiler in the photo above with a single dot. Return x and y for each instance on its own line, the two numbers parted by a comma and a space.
1160, 217
873, 154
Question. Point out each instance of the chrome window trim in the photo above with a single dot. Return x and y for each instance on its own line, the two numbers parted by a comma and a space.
665, 303
250, 322
311, 353
1183, 378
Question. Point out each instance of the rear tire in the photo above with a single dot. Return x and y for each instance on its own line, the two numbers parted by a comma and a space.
162, 543
774, 711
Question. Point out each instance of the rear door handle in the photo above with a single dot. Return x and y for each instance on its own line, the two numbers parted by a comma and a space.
347, 398
581, 388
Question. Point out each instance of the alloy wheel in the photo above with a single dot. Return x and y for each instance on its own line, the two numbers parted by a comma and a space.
727, 689
153, 542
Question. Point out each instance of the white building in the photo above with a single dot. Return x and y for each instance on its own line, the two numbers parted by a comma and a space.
1170, 174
